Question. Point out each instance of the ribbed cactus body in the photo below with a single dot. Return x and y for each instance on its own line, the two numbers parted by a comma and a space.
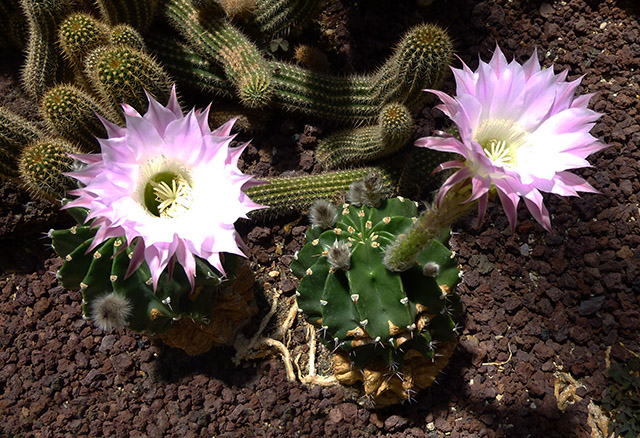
286, 195
359, 145
217, 39
72, 114
41, 64
125, 35
42, 165
78, 35
121, 74
365, 310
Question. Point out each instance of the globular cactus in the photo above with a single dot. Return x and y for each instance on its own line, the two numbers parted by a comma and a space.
42, 165
72, 114
276, 16
125, 35
216, 39
359, 145
286, 195
137, 13
395, 331
78, 35
122, 74
192, 319
15, 133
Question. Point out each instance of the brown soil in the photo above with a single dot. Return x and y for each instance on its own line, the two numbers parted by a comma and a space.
540, 308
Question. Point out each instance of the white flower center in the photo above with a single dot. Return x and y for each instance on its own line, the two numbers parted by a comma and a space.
501, 141
165, 188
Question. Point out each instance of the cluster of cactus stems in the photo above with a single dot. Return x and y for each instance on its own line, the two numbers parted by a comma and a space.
364, 310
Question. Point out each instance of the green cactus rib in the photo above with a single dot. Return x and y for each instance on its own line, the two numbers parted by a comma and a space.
103, 269
137, 13
72, 114
42, 165
15, 133
359, 145
274, 16
365, 309
286, 195
217, 39
122, 74
78, 35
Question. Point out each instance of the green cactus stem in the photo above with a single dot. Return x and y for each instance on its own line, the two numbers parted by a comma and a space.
122, 75
286, 195
192, 319
15, 133
402, 254
42, 165
125, 35
78, 35
39, 71
137, 13
358, 145
72, 114
364, 310
278, 16
216, 39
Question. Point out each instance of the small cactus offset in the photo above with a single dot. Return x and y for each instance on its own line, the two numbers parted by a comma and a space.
358, 145
42, 165
72, 114
125, 35
276, 16
394, 330
216, 39
192, 319
123, 74
286, 195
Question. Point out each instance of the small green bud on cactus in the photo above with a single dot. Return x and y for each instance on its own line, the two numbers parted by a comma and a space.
378, 318
42, 165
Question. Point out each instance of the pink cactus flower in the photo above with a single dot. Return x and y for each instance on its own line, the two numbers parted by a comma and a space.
521, 130
168, 182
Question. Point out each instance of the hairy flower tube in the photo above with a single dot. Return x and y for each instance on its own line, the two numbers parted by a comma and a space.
169, 183
521, 129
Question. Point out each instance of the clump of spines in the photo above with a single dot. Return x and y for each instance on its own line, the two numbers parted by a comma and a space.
375, 318
368, 192
278, 16
42, 165
122, 74
125, 35
360, 145
323, 214
311, 57
111, 311
72, 114
238, 9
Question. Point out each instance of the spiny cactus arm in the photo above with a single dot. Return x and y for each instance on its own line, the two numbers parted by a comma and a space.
285, 195
78, 35
15, 133
126, 35
358, 145
273, 16
44, 15
41, 64
190, 67
217, 39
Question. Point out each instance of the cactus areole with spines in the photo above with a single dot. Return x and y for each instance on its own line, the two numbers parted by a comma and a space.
361, 307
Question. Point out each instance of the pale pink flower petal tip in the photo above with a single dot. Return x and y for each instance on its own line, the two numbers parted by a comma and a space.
170, 182
521, 129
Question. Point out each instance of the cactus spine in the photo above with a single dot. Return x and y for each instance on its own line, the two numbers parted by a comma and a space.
393, 131
15, 133
78, 35
42, 165
385, 324
125, 35
217, 39
275, 16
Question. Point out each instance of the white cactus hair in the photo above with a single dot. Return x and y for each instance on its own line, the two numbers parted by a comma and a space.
323, 214
111, 311
339, 255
